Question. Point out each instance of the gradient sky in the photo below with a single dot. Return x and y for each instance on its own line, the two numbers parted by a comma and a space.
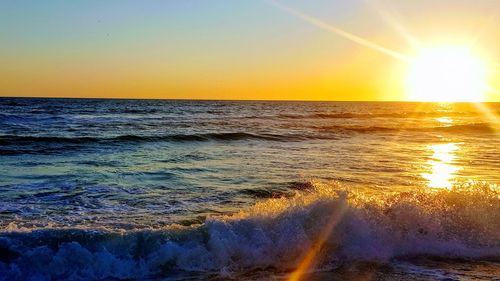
227, 49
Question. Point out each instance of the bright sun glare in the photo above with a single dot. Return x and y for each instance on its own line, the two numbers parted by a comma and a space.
446, 74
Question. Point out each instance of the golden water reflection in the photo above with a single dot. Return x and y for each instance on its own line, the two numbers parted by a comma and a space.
442, 165
444, 120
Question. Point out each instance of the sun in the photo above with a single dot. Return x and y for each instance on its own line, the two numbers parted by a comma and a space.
446, 74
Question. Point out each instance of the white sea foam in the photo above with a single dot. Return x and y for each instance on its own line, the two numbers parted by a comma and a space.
275, 233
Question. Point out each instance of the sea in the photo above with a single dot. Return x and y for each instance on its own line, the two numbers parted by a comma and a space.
122, 189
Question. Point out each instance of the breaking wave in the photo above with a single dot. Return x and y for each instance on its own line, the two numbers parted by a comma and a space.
274, 234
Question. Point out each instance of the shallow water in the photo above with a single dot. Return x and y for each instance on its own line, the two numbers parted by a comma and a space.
98, 189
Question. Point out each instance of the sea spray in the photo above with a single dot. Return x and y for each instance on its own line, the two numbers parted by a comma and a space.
462, 222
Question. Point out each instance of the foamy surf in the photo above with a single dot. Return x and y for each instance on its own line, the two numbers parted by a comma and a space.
274, 236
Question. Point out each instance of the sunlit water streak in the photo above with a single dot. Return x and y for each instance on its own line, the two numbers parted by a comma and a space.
442, 166
156, 188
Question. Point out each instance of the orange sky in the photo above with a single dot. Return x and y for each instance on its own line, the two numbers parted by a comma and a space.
228, 50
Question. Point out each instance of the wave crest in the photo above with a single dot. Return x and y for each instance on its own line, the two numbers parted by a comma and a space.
479, 128
352, 115
276, 233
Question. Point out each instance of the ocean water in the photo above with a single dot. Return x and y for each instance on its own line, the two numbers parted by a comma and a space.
172, 190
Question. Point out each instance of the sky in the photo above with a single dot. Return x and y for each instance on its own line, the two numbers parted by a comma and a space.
226, 49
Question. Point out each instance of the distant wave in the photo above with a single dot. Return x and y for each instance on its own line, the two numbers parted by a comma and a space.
349, 115
233, 136
465, 128
36, 115
20, 140
474, 127
32, 118
6, 102
275, 233
16, 144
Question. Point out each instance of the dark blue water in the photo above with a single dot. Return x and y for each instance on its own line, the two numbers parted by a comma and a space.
77, 173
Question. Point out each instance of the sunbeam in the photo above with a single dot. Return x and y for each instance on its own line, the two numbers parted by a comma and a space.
331, 28
312, 256
390, 17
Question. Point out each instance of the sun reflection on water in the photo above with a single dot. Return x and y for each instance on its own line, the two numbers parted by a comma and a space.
444, 120
442, 166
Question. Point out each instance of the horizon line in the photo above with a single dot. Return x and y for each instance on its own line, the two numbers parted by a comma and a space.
233, 100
